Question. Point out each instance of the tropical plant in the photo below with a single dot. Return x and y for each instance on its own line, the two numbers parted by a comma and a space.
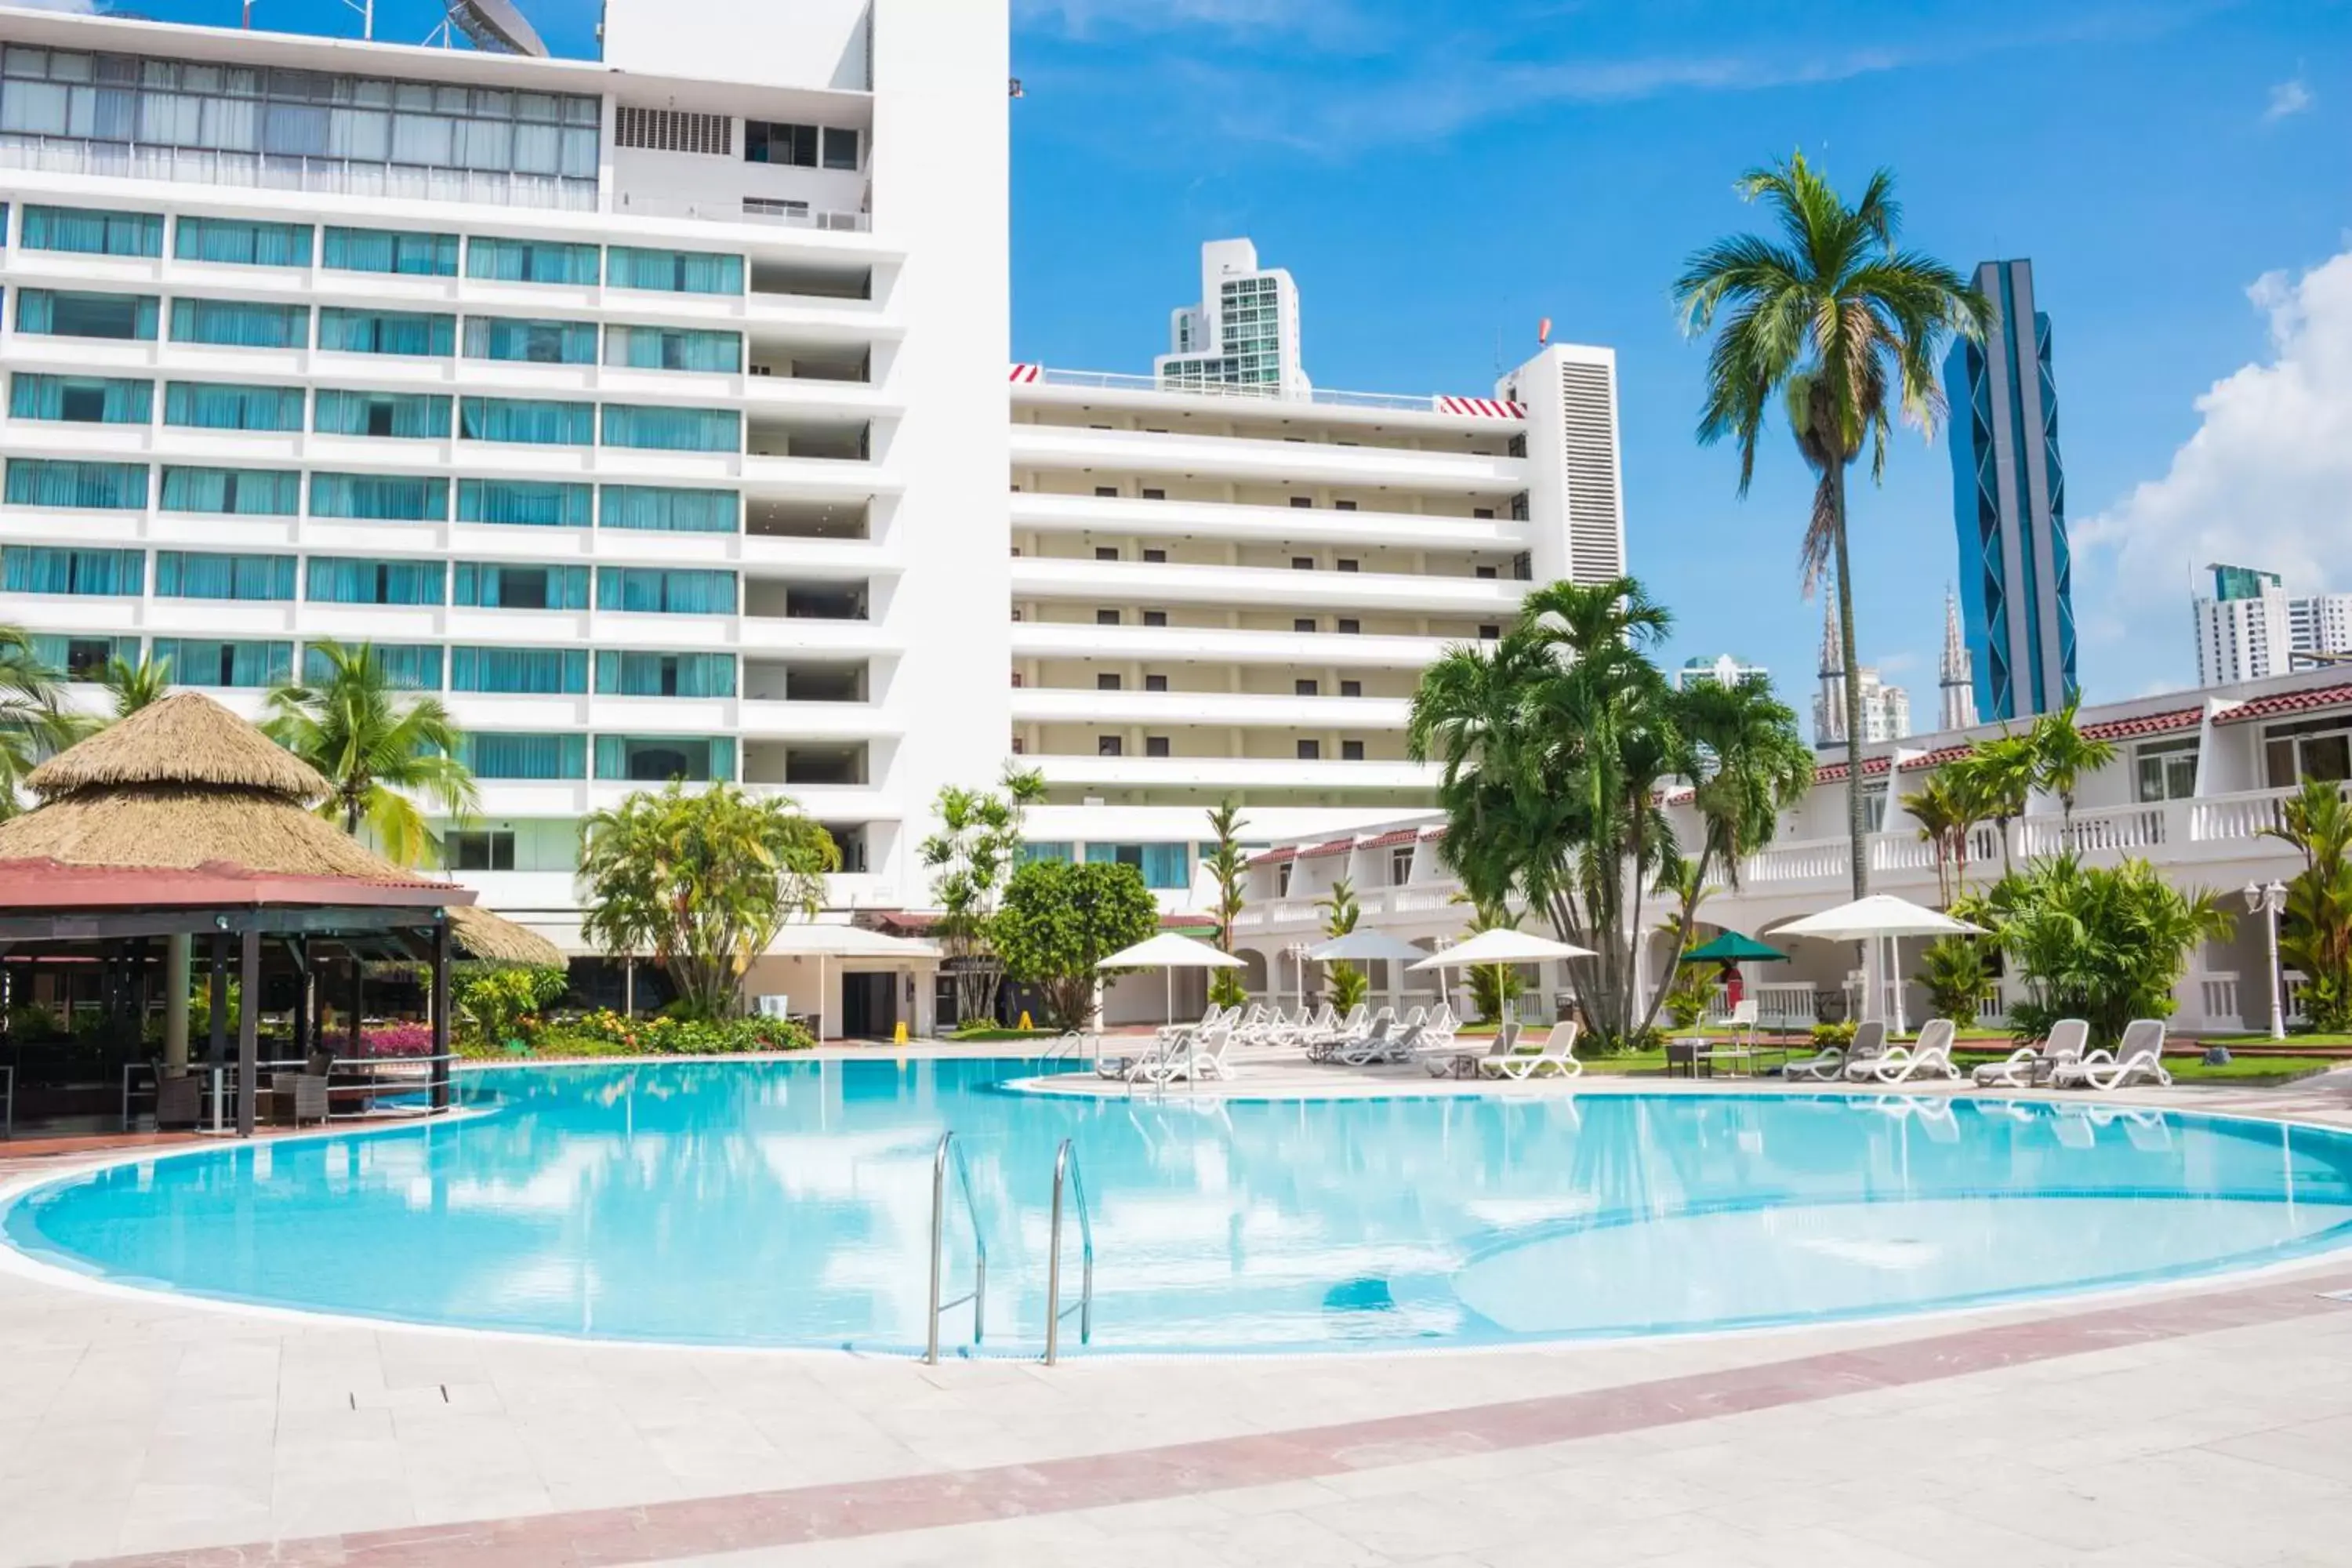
502, 1002
1231, 873
1955, 972
1554, 745
32, 725
2315, 930
1844, 328
130, 687
1997, 775
1342, 910
378, 745
2062, 754
1946, 806
701, 881
2106, 945
1687, 998
975, 850
1060, 920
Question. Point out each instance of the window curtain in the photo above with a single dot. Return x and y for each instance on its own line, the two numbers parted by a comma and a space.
531, 671
380, 497
391, 250
211, 407
115, 400
530, 261
537, 503
208, 662
667, 348
48, 569
81, 657
336, 581
386, 332
416, 666
489, 584
535, 423
240, 325
625, 674
529, 341
525, 756
245, 492
1164, 866
412, 416
66, 314
237, 240
675, 271
103, 487
188, 574
92, 232
703, 758
664, 590
673, 429
667, 511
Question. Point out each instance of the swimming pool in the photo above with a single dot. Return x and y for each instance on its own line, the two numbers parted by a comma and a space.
789, 1203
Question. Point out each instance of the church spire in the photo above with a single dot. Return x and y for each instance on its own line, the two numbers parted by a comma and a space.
1832, 648
1959, 678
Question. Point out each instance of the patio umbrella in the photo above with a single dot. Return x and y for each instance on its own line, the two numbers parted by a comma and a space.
1170, 951
1366, 947
1500, 946
1882, 915
1733, 948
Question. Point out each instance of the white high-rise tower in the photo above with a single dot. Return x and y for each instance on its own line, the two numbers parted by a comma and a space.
1956, 676
1244, 331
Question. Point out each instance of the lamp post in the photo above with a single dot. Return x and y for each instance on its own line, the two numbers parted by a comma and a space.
1297, 951
2267, 900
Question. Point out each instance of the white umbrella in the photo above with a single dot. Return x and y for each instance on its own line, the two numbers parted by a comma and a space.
1501, 945
1170, 952
1880, 915
1365, 947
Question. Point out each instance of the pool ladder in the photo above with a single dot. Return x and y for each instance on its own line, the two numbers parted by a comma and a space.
1069, 1190
949, 1152
1067, 1177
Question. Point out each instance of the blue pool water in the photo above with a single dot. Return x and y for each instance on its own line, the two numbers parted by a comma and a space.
789, 1203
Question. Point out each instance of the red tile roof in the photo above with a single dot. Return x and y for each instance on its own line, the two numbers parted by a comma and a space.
1335, 847
1277, 857
1389, 840
2163, 723
2281, 702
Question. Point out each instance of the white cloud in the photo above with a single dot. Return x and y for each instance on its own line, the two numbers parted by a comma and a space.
2265, 481
81, 8
2289, 97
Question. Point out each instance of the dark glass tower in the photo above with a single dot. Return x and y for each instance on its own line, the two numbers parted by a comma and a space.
2008, 493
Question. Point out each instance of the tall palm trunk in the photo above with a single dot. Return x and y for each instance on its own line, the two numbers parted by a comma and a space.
1857, 815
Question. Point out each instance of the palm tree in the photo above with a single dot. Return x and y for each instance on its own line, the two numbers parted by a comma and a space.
1944, 807
1748, 764
2062, 754
32, 725
1342, 910
1845, 329
1231, 873
1999, 773
133, 686
377, 745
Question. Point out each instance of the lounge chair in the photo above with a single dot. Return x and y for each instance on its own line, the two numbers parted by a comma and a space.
1558, 1054
1468, 1064
2139, 1054
2029, 1065
1868, 1043
1359, 1023
1931, 1054
1203, 1056
1399, 1044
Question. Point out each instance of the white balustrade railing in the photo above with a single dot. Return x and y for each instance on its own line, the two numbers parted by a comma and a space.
2217, 995
2222, 818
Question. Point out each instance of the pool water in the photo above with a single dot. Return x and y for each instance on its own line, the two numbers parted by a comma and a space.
789, 1203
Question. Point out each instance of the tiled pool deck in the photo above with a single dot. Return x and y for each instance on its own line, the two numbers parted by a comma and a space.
2188, 1425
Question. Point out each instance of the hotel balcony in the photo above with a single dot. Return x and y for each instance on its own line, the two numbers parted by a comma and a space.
1132, 517
1238, 457
1147, 581
1218, 645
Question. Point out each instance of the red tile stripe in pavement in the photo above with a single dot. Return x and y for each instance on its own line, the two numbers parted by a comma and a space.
653, 1532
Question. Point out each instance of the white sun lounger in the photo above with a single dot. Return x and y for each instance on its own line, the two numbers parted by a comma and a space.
1869, 1042
2029, 1065
2139, 1054
1557, 1055
1930, 1054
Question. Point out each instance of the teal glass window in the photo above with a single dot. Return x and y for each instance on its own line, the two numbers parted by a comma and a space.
507, 586
55, 569
673, 429
530, 341
519, 671
82, 657
1063, 851
666, 590
391, 250
531, 503
240, 325
207, 405
664, 511
335, 580
530, 260
380, 497
207, 662
66, 313
416, 666
408, 415
1162, 865
92, 232
495, 756
80, 399
98, 486
193, 575
621, 673
529, 422
657, 759
233, 492
674, 348
242, 241
675, 271
418, 333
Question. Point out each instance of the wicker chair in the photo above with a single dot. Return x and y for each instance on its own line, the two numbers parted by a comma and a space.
298, 1097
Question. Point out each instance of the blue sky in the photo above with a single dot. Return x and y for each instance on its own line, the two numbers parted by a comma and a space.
1440, 177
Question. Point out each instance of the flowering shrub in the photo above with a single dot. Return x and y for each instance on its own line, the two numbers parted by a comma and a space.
397, 1039
665, 1037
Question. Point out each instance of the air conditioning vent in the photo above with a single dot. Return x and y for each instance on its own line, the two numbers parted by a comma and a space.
675, 131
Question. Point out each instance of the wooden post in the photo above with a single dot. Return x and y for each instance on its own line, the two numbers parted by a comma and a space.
441, 1014
352, 1042
302, 957
216, 1049
248, 1033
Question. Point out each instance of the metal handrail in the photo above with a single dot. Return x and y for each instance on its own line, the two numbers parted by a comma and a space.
1066, 1174
1074, 1044
979, 1295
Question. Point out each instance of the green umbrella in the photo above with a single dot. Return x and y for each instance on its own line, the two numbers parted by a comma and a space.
1733, 948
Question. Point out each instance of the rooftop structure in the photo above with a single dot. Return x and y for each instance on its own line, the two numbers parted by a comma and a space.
2249, 626
1886, 710
1244, 331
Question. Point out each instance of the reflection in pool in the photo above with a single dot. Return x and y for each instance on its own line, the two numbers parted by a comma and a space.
789, 1204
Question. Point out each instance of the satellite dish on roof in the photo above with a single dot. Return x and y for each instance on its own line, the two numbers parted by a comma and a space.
495, 25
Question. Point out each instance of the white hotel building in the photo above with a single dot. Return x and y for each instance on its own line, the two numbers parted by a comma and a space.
663, 424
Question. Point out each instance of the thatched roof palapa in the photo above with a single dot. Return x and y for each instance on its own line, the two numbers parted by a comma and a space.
494, 939
184, 738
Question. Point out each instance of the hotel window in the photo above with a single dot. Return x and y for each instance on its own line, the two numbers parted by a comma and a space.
1310, 751
1351, 689
627, 674
2315, 749
1163, 865
1155, 557
526, 423
1155, 618
1348, 563
660, 510
1348, 627
58, 314
1101, 490
1109, 745
404, 415
205, 661
519, 671
528, 503
1106, 552
657, 759
332, 580
390, 250
1343, 506
190, 574
502, 586
414, 666
668, 591
201, 406
1155, 683
1150, 494
380, 497
1302, 563
233, 492
490, 850
1106, 682
1155, 745
531, 261
1490, 633
414, 334
242, 242
561, 757
1484, 573
530, 341
1400, 864
1482, 511
1303, 503
674, 348
1351, 751
80, 399
673, 429
1304, 687
240, 324
91, 232
1303, 624
673, 271
2166, 769
1106, 618
82, 659
49, 569
800, 146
